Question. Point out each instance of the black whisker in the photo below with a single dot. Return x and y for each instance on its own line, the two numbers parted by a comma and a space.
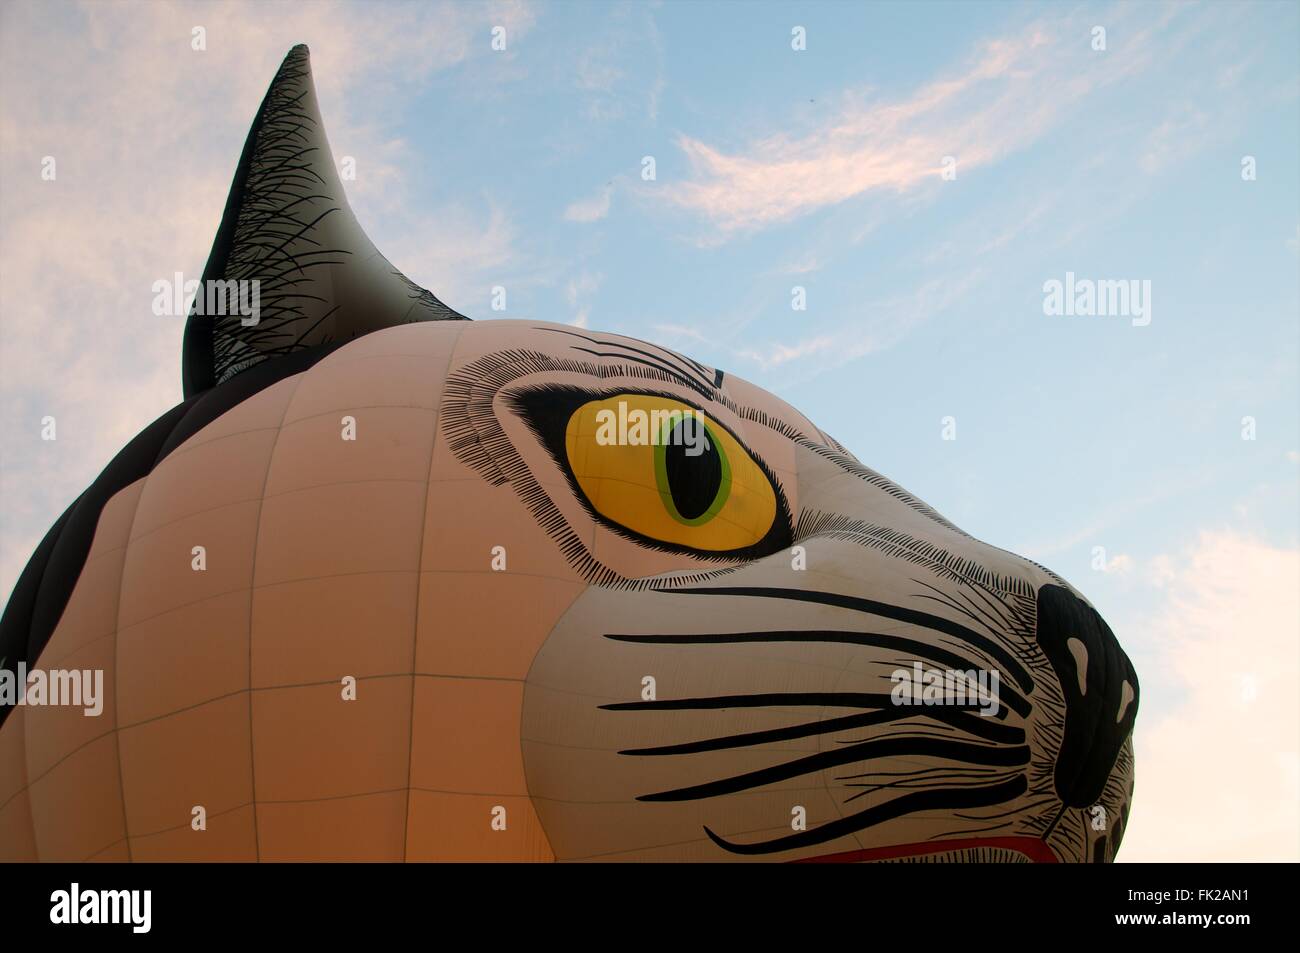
883, 748
876, 640
903, 783
973, 724
759, 700
1001, 609
921, 775
943, 799
966, 832
910, 616
1020, 810
828, 726
1056, 820
992, 621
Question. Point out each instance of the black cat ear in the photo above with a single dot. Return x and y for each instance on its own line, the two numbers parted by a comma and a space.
291, 267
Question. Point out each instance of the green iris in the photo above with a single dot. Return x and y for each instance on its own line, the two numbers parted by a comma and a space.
693, 488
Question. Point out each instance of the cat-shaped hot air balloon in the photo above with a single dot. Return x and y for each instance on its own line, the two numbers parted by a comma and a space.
392, 584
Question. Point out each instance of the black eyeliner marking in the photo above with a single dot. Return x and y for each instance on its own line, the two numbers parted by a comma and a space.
545, 411
667, 355
693, 384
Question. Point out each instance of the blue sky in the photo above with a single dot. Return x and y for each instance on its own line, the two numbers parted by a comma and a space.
775, 168
1072, 432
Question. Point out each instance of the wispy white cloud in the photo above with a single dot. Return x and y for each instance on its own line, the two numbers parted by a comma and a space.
681, 332
146, 133
612, 70
804, 265
1181, 134
1107, 521
1120, 564
596, 70
1218, 773
892, 319
1011, 91
776, 354
578, 293
591, 209
459, 253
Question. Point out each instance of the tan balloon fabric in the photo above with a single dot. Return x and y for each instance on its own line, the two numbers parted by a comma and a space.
436, 597
70, 763
412, 638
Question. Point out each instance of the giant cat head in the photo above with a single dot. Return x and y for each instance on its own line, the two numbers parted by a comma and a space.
511, 589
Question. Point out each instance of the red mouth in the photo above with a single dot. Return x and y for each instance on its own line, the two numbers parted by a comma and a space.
1033, 848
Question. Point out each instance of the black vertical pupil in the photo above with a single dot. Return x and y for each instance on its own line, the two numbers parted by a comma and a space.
694, 481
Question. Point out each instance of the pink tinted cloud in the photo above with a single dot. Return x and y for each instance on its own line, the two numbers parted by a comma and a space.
1005, 97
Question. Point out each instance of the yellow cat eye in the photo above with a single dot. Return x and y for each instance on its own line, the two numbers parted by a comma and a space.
664, 470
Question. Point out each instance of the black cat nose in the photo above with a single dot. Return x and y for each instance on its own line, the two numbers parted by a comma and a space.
1100, 689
